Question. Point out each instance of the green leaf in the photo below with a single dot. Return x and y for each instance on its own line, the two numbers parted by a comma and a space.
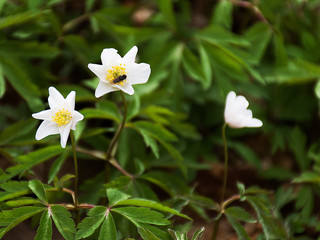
108, 229
241, 232
22, 83
223, 14
155, 130
27, 49
198, 234
307, 177
99, 113
206, 67
150, 142
44, 231
192, 66
114, 196
89, 224
16, 131
25, 162
119, 182
144, 215
150, 204
13, 189
19, 18
166, 7
37, 188
22, 202
63, 221
2, 83
240, 214
147, 234
133, 107
11, 218
56, 166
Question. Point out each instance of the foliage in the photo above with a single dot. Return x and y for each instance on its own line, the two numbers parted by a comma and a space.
198, 52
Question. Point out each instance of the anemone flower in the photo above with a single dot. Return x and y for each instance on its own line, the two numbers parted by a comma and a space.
117, 73
236, 114
60, 118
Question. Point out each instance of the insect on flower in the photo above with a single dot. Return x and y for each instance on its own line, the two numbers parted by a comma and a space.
120, 78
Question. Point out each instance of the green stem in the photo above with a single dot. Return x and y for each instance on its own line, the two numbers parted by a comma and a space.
76, 174
225, 162
119, 130
217, 223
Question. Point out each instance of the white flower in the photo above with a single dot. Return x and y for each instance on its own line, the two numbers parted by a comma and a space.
117, 73
236, 114
60, 118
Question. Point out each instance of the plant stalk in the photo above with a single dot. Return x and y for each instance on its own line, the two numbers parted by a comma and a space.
76, 174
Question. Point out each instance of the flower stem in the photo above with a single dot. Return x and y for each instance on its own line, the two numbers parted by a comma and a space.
119, 130
225, 162
76, 174
217, 223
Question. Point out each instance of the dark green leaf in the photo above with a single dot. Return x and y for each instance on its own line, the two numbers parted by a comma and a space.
56, 166
147, 234
144, 215
37, 188
11, 218
99, 113
241, 232
44, 231
108, 229
22, 202
240, 214
19, 18
63, 221
114, 196
166, 7
155, 130
223, 14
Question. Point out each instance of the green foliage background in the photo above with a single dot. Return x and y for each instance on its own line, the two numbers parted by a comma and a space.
198, 51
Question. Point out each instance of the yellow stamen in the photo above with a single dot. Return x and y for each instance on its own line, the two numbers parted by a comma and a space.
115, 72
62, 117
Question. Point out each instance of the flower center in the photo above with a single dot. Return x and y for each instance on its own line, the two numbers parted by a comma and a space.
62, 117
117, 74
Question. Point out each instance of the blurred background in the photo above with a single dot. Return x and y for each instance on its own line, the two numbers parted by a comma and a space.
199, 50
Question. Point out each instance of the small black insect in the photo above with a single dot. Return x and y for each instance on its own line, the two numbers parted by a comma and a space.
119, 79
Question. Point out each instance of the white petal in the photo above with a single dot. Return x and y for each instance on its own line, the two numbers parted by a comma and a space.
110, 56
99, 70
64, 134
55, 98
46, 128
254, 122
138, 73
104, 88
75, 119
131, 55
70, 99
44, 115
241, 102
127, 88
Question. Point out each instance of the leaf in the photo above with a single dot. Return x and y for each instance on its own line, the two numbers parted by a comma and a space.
239, 229
108, 229
240, 214
155, 130
19, 18
27, 49
150, 142
56, 166
307, 177
150, 204
144, 215
166, 7
99, 113
133, 108
37, 188
25, 162
206, 68
13, 189
63, 221
22, 83
191, 65
22, 202
119, 182
223, 14
114, 196
44, 231
16, 131
11, 218
147, 234
2, 82
89, 224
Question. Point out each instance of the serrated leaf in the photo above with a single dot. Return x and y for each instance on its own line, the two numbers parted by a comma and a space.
44, 231
240, 214
108, 229
115, 195
147, 234
241, 232
144, 215
89, 224
11, 218
13, 189
150, 204
63, 221
37, 188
